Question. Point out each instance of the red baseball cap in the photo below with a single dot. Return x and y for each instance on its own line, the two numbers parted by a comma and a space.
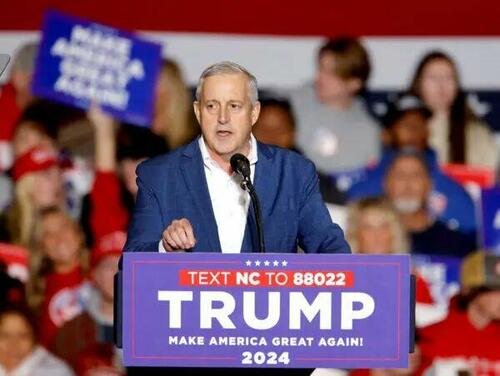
35, 159
109, 245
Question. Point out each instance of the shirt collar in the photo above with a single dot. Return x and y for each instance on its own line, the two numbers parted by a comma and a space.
209, 162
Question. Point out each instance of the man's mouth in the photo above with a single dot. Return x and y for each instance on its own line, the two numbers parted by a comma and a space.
224, 133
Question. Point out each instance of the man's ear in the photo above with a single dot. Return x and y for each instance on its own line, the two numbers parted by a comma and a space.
196, 107
255, 112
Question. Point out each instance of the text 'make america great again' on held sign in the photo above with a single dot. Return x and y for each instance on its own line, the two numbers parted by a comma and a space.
82, 62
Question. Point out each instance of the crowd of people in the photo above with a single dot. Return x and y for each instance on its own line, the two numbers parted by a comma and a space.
68, 188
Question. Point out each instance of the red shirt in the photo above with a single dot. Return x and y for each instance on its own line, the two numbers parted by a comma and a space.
422, 292
108, 213
455, 337
98, 359
9, 114
9, 110
61, 302
360, 372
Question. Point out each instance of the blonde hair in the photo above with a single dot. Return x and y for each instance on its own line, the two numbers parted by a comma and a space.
40, 265
22, 216
174, 114
386, 210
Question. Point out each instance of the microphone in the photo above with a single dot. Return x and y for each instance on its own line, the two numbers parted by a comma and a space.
241, 165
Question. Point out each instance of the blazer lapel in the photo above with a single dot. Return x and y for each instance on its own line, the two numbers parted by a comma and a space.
266, 180
193, 171
266, 184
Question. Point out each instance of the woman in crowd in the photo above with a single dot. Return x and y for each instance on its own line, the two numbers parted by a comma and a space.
59, 265
173, 112
29, 134
38, 185
20, 354
375, 227
456, 133
30, 130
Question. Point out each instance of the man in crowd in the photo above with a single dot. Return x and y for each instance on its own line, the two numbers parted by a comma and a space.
408, 184
467, 341
406, 126
334, 128
276, 124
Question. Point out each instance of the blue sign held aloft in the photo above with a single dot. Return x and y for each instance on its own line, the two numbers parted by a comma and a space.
81, 62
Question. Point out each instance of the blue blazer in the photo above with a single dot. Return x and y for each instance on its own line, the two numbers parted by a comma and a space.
173, 186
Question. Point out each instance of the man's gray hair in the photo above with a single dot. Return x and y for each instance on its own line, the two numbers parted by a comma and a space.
228, 67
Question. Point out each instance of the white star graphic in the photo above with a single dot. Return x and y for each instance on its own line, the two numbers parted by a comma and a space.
249, 263
276, 263
257, 263
284, 263
266, 263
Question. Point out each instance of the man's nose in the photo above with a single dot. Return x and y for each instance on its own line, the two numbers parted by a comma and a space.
223, 117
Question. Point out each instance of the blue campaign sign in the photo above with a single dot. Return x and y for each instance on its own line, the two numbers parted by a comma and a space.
80, 62
442, 273
490, 216
265, 310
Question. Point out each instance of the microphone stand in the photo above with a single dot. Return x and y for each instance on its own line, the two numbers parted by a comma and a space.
247, 185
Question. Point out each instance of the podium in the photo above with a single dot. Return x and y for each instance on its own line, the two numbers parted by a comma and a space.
254, 310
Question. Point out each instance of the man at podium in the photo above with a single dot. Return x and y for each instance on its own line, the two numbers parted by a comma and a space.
192, 200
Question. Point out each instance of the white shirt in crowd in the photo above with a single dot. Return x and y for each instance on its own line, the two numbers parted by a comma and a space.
229, 201
40, 363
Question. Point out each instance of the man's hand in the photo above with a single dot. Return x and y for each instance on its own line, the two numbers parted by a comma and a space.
178, 236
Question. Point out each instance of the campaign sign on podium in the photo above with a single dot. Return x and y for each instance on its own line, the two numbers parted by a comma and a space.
265, 310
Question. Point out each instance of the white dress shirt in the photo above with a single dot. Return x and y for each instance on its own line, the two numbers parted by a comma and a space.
229, 201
